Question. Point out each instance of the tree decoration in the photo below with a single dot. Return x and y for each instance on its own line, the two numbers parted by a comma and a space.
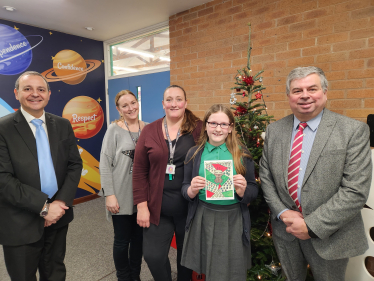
273, 268
240, 110
233, 99
248, 80
251, 119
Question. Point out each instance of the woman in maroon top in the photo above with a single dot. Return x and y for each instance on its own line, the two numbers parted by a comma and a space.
157, 181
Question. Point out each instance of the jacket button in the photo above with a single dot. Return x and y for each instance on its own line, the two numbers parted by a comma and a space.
294, 207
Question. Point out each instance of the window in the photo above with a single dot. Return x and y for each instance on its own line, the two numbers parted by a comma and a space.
143, 53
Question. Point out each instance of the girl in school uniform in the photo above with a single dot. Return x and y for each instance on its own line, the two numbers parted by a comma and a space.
217, 239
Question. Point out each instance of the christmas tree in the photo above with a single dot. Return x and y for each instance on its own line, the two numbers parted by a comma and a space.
251, 120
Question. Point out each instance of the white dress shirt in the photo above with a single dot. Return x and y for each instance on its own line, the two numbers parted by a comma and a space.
29, 118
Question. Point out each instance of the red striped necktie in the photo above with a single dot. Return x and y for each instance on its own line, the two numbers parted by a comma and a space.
294, 164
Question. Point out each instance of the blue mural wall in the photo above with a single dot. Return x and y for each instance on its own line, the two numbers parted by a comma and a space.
152, 90
74, 67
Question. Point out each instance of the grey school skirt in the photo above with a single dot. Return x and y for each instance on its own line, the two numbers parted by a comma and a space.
213, 244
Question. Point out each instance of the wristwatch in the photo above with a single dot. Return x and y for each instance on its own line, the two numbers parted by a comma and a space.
44, 212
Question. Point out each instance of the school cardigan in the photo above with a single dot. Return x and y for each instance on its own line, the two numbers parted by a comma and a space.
191, 170
150, 161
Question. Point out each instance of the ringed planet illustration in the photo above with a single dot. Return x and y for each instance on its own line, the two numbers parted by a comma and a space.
15, 50
70, 68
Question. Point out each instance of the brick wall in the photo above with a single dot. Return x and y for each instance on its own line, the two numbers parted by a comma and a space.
209, 43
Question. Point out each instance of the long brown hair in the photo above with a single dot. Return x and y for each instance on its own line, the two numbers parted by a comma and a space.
190, 120
116, 99
236, 148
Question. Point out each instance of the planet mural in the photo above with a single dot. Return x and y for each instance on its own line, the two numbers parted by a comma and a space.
5, 108
15, 51
70, 67
85, 115
90, 177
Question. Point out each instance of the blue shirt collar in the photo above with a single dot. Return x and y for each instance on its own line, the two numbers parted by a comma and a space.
212, 147
312, 124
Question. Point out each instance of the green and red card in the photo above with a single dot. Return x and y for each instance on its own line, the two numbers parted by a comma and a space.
219, 180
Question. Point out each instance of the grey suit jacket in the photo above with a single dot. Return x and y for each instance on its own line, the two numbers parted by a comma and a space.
21, 199
335, 187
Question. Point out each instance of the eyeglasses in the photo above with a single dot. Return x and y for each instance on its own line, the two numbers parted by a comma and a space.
215, 124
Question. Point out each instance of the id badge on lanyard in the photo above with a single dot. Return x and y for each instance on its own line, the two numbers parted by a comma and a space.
170, 168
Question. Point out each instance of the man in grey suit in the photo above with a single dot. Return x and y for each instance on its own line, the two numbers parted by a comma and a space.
315, 173
40, 168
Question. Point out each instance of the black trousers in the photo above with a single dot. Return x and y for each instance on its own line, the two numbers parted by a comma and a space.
156, 245
127, 234
47, 255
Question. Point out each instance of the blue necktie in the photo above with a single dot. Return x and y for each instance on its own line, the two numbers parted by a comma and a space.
46, 170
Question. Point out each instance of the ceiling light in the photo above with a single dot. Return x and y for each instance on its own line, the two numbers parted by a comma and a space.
164, 58
133, 51
125, 68
89, 28
9, 8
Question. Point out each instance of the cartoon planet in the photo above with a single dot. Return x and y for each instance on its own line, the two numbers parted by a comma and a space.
15, 51
90, 177
5, 108
85, 115
70, 67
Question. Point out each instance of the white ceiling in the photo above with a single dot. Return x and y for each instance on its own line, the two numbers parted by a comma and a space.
109, 18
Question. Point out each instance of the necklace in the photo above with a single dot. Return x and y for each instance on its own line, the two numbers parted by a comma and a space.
131, 153
133, 140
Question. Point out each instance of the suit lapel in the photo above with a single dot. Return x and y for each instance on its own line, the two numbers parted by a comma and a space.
25, 132
52, 137
286, 146
323, 134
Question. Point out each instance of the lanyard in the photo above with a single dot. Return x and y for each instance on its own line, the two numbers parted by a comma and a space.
171, 147
133, 140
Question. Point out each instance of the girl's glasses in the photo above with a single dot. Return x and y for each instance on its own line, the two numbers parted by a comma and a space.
215, 124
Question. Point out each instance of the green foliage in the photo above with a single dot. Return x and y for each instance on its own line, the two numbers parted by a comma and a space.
251, 119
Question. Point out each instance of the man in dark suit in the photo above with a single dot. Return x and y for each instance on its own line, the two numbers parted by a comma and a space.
36, 190
316, 173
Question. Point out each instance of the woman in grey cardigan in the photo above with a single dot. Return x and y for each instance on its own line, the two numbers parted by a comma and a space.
116, 160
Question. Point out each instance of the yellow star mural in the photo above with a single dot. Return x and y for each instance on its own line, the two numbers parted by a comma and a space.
99, 100
102, 61
50, 33
53, 57
16, 28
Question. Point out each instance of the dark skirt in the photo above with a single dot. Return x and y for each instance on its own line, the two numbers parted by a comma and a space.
213, 244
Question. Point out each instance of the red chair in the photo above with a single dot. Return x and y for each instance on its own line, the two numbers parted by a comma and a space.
195, 276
